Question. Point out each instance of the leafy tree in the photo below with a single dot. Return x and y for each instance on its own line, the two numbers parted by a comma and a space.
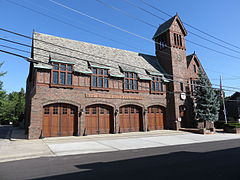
11, 105
207, 100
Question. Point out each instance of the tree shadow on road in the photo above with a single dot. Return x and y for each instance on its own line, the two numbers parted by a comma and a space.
222, 164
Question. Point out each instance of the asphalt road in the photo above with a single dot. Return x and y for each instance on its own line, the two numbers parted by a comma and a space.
214, 160
4, 131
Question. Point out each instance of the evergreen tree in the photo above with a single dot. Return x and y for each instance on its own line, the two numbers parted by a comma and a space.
207, 100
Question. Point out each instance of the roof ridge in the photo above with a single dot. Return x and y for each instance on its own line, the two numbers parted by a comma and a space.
88, 43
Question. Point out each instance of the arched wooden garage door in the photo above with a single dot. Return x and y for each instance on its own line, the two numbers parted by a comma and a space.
59, 120
98, 119
130, 118
156, 117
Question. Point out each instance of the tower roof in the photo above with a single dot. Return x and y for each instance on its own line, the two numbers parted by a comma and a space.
191, 57
166, 25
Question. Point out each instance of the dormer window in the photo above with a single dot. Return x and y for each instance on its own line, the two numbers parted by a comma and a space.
156, 84
130, 81
99, 78
62, 74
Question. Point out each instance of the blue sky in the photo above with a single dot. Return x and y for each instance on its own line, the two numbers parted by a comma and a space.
218, 18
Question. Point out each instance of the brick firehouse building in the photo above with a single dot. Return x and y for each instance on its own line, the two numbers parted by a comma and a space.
78, 88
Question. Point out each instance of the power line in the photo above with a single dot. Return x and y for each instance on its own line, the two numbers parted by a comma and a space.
124, 12
220, 52
227, 86
100, 21
214, 37
14, 54
156, 8
69, 24
80, 29
18, 34
3, 39
134, 34
15, 48
139, 7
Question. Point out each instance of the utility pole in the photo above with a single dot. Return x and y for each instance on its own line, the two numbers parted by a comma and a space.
222, 95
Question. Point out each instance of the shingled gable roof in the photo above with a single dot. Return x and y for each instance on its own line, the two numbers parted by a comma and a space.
191, 57
95, 55
166, 25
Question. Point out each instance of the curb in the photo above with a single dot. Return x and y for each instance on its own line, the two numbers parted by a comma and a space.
25, 157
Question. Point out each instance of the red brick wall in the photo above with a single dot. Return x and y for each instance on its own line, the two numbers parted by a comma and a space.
47, 95
173, 60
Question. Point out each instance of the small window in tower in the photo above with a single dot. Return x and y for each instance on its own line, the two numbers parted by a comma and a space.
180, 40
194, 68
175, 39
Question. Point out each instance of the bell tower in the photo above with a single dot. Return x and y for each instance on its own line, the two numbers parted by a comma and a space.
171, 54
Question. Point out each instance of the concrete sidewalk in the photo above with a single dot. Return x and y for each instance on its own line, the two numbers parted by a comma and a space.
22, 149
